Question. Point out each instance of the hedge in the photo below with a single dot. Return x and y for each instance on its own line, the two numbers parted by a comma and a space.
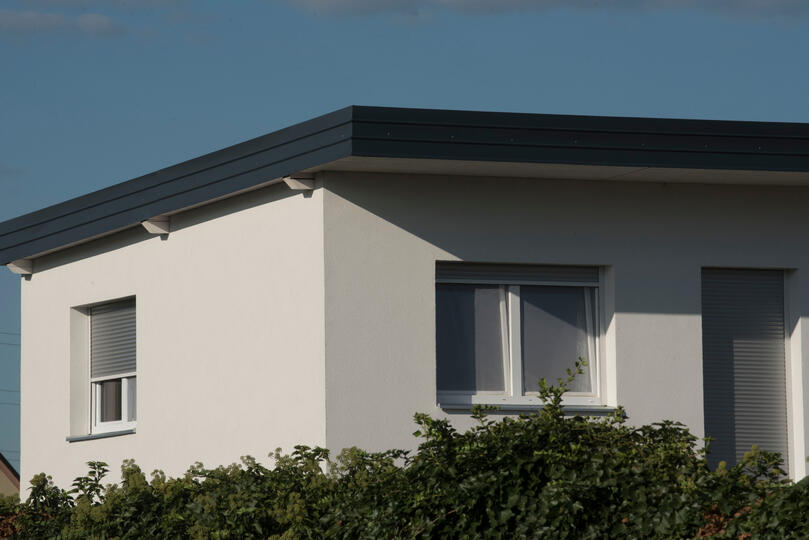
541, 475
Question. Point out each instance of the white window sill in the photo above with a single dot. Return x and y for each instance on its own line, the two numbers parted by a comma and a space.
103, 435
574, 404
583, 410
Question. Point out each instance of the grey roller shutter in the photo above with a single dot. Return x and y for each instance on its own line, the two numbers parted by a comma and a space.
456, 272
744, 362
112, 339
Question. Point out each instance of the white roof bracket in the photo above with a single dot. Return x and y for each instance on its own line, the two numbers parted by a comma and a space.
300, 182
157, 225
24, 267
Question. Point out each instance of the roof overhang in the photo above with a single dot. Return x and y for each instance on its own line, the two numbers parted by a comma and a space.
559, 171
421, 141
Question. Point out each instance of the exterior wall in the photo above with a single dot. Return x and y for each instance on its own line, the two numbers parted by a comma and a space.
384, 233
234, 357
230, 337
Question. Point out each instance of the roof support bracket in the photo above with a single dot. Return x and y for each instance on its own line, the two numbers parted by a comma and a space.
157, 225
302, 182
24, 267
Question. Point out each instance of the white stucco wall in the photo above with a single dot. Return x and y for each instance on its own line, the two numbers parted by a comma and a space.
384, 233
230, 340
276, 318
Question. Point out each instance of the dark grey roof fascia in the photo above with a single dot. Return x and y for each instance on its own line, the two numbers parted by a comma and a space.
580, 140
412, 133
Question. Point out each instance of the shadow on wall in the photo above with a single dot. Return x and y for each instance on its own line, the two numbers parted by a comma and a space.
657, 237
180, 221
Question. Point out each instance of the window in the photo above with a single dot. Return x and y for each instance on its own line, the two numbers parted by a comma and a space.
500, 328
113, 383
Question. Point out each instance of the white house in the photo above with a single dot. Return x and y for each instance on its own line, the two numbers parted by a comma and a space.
322, 283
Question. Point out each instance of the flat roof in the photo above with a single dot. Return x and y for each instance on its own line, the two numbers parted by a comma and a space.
427, 141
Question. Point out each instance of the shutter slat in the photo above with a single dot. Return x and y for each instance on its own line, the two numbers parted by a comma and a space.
516, 273
744, 362
112, 339
116, 342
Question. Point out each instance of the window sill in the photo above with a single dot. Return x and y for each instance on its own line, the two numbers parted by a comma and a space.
94, 436
572, 409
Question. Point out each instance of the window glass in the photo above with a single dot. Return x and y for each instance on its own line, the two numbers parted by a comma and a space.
109, 400
554, 334
469, 336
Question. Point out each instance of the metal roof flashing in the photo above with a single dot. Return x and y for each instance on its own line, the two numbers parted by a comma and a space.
427, 141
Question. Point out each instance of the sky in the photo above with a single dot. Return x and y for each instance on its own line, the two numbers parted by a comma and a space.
95, 92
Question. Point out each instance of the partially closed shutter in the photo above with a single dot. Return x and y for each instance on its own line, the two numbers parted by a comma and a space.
460, 272
744, 362
112, 339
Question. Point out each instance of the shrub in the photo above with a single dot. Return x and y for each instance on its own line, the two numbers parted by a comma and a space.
539, 475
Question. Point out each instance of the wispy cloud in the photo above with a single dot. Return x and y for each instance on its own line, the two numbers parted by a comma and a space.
38, 22
11, 173
107, 3
757, 8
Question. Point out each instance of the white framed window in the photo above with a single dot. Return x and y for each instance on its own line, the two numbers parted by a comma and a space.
113, 381
500, 328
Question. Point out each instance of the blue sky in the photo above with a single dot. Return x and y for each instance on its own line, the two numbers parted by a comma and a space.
94, 92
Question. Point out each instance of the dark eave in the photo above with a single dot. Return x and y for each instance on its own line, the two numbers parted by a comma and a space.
392, 133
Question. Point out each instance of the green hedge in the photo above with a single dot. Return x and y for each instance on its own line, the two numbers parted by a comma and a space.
540, 475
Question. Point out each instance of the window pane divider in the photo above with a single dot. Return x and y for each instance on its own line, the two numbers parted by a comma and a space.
590, 307
124, 400
515, 342
505, 340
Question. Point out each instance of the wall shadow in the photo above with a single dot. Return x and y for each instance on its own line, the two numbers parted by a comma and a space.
179, 221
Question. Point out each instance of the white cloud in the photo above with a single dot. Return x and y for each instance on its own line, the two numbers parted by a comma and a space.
38, 22
757, 8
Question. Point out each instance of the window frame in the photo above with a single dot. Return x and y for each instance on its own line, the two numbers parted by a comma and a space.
95, 407
513, 394
128, 380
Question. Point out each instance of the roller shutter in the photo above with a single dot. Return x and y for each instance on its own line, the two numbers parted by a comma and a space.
112, 339
744, 362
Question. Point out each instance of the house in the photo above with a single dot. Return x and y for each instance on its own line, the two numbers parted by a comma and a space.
320, 284
9, 479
